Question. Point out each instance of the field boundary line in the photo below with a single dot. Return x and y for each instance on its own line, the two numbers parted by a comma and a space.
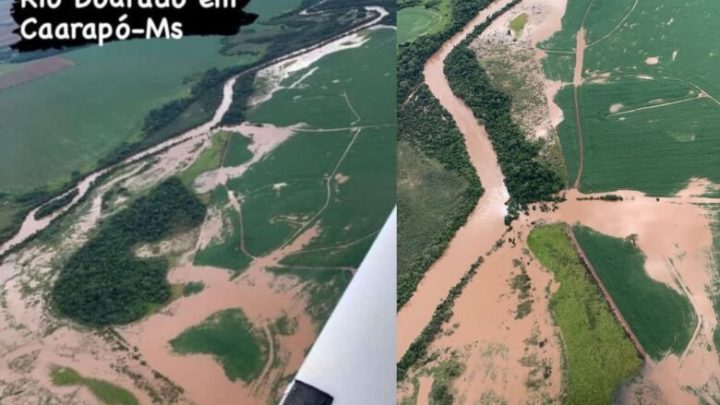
650, 107
608, 298
224, 148
339, 246
302, 267
349, 104
556, 51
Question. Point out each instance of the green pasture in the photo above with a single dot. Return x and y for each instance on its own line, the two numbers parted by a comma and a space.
209, 159
597, 356
518, 23
231, 339
105, 392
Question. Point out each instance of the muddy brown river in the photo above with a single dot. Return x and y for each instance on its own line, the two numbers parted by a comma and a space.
485, 224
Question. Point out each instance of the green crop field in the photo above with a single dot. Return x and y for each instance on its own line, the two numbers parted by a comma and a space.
360, 204
662, 319
107, 393
612, 139
269, 9
226, 254
231, 339
598, 357
417, 21
287, 186
648, 60
65, 122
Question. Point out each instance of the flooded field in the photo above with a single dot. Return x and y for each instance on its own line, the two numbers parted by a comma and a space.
285, 291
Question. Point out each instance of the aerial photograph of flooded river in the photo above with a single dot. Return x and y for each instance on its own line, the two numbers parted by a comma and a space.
178, 219
564, 155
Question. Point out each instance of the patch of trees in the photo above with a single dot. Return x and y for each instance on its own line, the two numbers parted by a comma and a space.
56, 204
104, 283
527, 178
442, 314
242, 90
605, 197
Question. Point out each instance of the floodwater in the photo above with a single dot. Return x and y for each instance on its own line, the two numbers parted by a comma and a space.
264, 139
425, 383
262, 296
494, 341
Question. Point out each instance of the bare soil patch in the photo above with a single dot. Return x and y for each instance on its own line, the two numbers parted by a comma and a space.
34, 70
